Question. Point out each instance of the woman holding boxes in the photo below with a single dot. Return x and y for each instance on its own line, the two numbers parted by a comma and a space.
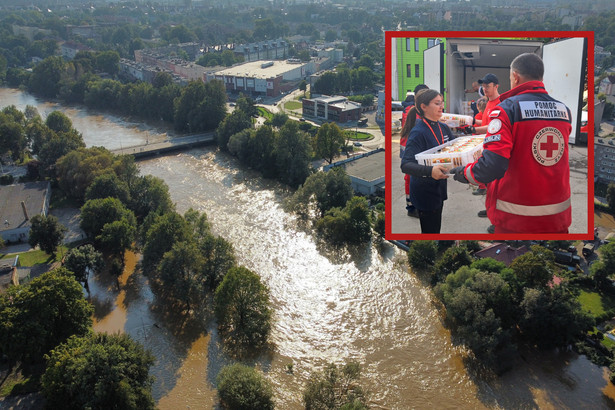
428, 183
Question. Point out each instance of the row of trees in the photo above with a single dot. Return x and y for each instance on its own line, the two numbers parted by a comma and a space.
493, 308
345, 80
195, 108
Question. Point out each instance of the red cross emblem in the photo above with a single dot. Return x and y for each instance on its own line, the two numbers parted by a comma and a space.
548, 146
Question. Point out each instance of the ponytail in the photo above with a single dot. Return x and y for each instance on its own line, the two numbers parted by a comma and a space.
410, 121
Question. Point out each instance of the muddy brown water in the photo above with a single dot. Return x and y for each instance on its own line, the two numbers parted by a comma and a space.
330, 305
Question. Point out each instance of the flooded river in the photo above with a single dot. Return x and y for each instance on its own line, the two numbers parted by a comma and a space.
330, 305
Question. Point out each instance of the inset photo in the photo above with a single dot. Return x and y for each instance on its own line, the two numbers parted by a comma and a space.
489, 135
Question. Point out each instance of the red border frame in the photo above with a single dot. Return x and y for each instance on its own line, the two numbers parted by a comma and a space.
589, 35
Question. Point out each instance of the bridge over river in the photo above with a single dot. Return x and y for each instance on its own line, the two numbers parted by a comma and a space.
174, 144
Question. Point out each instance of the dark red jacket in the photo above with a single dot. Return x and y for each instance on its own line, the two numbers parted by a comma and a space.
525, 162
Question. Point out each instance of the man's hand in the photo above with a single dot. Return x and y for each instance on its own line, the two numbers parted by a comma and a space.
459, 175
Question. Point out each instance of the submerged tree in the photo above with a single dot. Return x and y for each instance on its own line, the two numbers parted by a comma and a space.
242, 308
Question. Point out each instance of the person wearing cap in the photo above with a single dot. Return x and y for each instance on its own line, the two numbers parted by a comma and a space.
525, 156
489, 84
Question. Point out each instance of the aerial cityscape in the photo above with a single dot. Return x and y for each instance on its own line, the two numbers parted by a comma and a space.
217, 204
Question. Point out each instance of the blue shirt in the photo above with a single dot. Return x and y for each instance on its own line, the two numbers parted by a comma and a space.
426, 193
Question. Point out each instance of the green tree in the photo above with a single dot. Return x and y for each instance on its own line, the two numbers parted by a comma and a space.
99, 371
552, 317
451, 260
242, 308
234, 123
335, 388
329, 141
47, 233
46, 76
293, 152
326, 83
350, 224
322, 191
246, 104
242, 387
303, 86
181, 272
97, 213
58, 122
79, 168
38, 316
279, 119
117, 236
219, 259
166, 230
109, 62
149, 194
534, 268
83, 260
12, 137
108, 185
262, 155
422, 254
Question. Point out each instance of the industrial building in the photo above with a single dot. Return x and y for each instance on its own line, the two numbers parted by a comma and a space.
265, 78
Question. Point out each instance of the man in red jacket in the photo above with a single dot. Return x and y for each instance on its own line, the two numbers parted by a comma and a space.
525, 156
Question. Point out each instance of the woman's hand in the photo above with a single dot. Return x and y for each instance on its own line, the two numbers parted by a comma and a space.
439, 172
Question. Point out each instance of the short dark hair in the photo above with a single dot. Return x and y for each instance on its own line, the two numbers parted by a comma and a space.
529, 66
419, 88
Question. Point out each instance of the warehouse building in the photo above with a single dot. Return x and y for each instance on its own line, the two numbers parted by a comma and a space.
266, 78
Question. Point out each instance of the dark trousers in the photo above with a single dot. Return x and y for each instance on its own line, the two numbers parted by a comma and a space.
431, 221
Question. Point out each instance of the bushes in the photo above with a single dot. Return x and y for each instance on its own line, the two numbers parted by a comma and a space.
241, 387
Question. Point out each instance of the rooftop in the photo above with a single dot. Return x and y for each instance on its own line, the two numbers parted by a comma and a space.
33, 194
367, 167
254, 69
502, 252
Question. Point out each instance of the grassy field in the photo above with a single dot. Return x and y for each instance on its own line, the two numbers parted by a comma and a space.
263, 112
357, 136
37, 257
595, 303
293, 105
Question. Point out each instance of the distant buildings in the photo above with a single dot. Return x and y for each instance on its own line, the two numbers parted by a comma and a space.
607, 85
18, 204
69, 49
604, 160
264, 50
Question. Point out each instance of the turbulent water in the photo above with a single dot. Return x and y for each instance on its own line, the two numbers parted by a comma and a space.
330, 305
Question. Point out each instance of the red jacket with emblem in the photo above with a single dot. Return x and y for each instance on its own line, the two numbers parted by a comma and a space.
525, 162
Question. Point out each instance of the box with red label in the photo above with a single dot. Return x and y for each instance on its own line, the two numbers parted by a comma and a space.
458, 152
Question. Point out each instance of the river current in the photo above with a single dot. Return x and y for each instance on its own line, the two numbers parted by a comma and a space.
357, 304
